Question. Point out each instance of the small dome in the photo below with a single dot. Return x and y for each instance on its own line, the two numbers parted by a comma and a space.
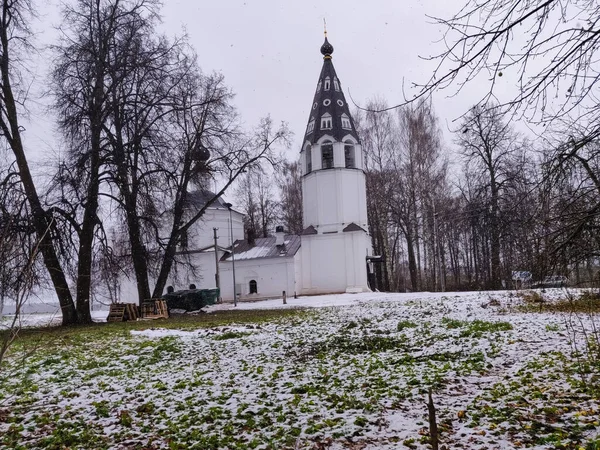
200, 152
326, 48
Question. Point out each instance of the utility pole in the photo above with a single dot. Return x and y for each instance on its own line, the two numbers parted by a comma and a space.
228, 206
217, 276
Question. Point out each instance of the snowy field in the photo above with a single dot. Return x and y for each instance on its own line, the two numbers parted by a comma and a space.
328, 372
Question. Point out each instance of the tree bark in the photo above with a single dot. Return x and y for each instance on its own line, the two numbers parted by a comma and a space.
43, 226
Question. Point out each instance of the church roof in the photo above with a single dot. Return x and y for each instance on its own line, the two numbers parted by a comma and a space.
264, 248
353, 227
197, 199
329, 100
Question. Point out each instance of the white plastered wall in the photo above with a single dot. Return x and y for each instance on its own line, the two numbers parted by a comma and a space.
272, 276
334, 263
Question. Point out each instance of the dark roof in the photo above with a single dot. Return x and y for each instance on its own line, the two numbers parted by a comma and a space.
309, 230
197, 199
264, 248
353, 227
336, 106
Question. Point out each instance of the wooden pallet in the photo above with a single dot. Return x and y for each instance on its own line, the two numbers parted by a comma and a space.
116, 313
156, 309
131, 312
121, 312
147, 309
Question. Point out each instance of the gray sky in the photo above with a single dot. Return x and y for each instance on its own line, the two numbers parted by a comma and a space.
269, 50
269, 54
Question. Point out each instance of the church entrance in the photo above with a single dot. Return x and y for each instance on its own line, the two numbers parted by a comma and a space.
253, 287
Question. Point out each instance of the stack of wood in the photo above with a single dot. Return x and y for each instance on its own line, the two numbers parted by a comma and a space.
154, 309
121, 312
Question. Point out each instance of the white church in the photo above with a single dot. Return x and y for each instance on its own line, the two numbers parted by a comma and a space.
332, 253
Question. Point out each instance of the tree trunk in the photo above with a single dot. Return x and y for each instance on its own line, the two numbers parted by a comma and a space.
90, 218
495, 239
43, 227
129, 192
412, 263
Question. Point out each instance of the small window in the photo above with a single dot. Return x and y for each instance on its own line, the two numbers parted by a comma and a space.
311, 126
327, 84
308, 156
253, 287
319, 86
326, 122
349, 156
336, 84
327, 155
346, 122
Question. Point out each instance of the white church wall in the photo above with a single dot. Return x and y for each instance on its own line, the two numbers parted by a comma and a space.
357, 248
200, 236
353, 203
323, 251
272, 275
202, 274
344, 256
297, 273
128, 292
201, 233
340, 199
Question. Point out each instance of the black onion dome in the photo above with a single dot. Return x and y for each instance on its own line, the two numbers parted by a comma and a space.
326, 48
200, 152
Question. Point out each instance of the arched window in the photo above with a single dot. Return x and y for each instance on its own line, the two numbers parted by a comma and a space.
319, 86
311, 126
326, 121
336, 84
349, 155
327, 84
308, 156
327, 155
253, 287
346, 122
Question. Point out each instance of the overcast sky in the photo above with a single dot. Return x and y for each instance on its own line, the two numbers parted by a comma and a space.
268, 52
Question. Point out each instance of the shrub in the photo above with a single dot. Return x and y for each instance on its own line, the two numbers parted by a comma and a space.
532, 297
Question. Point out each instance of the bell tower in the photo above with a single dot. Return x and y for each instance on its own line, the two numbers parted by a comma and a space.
335, 240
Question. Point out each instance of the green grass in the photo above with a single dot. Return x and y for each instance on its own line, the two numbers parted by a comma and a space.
49, 337
320, 378
475, 328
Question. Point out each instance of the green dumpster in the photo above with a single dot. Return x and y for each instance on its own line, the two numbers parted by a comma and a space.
191, 299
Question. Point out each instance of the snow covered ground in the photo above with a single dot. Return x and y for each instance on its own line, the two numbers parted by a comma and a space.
348, 371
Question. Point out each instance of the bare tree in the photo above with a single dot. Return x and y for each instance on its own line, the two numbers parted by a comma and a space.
378, 138
488, 144
289, 181
22, 285
14, 42
236, 154
96, 41
550, 48
258, 203
405, 175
